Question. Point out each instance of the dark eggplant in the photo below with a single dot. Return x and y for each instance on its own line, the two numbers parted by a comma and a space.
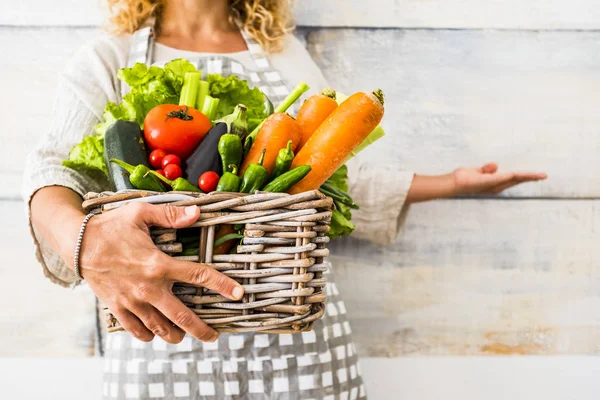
206, 156
124, 141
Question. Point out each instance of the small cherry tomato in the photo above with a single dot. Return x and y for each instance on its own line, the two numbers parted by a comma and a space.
208, 181
172, 171
156, 158
170, 159
160, 171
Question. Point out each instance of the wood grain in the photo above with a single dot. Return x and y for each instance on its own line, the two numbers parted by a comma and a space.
525, 99
478, 278
31, 61
469, 14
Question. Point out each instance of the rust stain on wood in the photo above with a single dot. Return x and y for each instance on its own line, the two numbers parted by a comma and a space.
504, 349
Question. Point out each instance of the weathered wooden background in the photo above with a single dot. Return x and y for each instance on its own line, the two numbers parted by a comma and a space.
467, 81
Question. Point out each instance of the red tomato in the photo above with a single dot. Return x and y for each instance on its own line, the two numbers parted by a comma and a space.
208, 181
171, 159
172, 172
156, 158
160, 171
175, 129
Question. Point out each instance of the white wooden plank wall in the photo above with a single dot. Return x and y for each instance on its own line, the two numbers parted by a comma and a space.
513, 81
460, 14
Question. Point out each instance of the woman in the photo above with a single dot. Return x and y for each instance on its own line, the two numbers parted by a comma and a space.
130, 276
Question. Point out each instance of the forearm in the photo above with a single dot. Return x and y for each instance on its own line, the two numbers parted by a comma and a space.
426, 188
57, 214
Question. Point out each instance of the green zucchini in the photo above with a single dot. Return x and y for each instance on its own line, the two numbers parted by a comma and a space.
124, 141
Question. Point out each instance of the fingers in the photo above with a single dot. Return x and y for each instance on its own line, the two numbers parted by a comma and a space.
494, 179
156, 323
489, 168
530, 176
166, 216
185, 318
205, 276
132, 324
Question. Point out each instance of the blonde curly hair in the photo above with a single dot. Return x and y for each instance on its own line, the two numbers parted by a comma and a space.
268, 21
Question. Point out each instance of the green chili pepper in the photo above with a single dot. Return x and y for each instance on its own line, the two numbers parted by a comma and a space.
255, 176
287, 180
330, 190
283, 161
178, 185
229, 182
139, 177
230, 150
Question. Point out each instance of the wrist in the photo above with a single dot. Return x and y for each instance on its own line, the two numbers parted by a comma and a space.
452, 185
425, 188
66, 236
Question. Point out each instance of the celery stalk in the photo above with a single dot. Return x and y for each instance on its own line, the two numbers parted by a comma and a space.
202, 93
209, 108
287, 103
189, 91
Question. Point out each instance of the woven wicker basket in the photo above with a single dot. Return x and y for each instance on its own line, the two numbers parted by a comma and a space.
280, 263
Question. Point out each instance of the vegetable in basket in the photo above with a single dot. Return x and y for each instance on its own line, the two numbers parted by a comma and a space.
153, 86
281, 108
140, 176
208, 181
340, 224
255, 176
175, 129
274, 135
283, 161
225, 239
314, 111
285, 181
206, 156
178, 185
230, 150
123, 141
229, 182
334, 140
374, 136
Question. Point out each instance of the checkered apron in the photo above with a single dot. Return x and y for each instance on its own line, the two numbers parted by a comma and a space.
321, 364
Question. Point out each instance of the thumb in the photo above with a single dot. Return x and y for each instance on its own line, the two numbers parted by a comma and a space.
169, 216
489, 168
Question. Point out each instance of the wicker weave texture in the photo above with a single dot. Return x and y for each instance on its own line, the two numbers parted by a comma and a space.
280, 262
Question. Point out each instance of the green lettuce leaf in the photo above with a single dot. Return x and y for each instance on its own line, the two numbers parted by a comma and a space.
150, 87
232, 91
342, 215
88, 154
340, 225
340, 178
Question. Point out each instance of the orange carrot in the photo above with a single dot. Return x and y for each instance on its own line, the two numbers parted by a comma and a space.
314, 111
224, 230
346, 128
274, 135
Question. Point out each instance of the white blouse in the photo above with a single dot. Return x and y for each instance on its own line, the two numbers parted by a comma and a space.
89, 81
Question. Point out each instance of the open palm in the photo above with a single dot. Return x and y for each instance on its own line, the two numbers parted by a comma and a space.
486, 180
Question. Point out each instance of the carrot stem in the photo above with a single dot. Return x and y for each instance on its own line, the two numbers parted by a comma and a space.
329, 92
380, 96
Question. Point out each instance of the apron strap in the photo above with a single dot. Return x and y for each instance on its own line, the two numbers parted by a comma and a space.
276, 87
256, 51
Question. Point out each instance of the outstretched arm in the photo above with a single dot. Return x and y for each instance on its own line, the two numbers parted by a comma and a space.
467, 181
